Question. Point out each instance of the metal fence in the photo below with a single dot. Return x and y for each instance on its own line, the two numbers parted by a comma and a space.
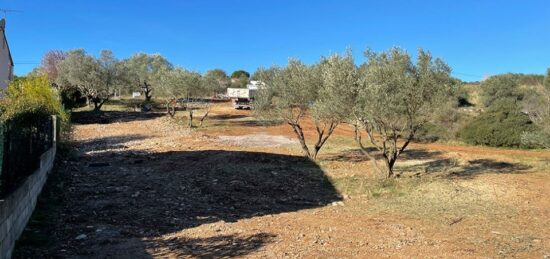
21, 146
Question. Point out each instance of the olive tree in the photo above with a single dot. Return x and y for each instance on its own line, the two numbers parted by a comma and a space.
395, 98
144, 69
216, 80
500, 87
187, 87
299, 92
537, 106
83, 71
95, 78
170, 88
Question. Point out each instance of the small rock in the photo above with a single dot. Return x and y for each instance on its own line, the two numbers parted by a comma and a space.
81, 236
337, 203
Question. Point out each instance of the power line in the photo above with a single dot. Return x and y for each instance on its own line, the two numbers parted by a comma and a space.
6, 11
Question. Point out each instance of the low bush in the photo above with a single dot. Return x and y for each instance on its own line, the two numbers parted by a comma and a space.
29, 98
502, 125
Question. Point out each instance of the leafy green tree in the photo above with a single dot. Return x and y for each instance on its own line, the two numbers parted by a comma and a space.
323, 91
397, 97
171, 87
499, 87
264, 73
187, 87
144, 69
95, 78
239, 79
239, 74
30, 98
83, 72
289, 96
537, 106
216, 80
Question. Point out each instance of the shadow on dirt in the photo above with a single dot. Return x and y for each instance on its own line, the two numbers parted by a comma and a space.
134, 198
246, 123
451, 168
222, 246
228, 116
356, 155
107, 117
113, 142
480, 166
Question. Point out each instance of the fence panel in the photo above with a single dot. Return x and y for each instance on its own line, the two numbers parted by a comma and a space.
22, 146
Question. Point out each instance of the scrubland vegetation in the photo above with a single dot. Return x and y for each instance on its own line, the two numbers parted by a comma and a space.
337, 159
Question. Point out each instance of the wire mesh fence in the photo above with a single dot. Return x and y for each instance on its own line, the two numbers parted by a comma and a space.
21, 146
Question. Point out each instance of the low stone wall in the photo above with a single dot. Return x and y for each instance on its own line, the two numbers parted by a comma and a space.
17, 208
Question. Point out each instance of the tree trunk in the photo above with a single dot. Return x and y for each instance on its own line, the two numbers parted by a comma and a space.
147, 91
190, 117
321, 137
170, 110
203, 117
300, 134
97, 105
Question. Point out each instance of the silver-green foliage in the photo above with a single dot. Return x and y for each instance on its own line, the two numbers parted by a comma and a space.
396, 97
94, 77
144, 70
537, 106
323, 90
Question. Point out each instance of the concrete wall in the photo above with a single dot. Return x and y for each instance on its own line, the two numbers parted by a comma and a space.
17, 208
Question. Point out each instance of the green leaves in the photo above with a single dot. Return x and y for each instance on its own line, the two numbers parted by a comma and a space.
396, 93
30, 98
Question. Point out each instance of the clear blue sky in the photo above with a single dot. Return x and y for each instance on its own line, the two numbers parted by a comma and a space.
476, 38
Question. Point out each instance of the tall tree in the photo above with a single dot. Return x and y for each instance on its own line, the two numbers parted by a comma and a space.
537, 106
500, 87
395, 98
239, 79
216, 80
171, 88
144, 70
94, 78
321, 93
50, 60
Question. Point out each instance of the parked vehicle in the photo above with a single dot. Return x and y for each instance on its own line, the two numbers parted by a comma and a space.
242, 98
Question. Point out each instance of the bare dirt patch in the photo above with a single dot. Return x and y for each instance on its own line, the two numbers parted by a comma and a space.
258, 140
142, 187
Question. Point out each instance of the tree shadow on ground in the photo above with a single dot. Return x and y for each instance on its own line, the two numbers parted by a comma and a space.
451, 168
480, 166
356, 155
221, 246
227, 116
246, 123
112, 142
107, 117
172, 191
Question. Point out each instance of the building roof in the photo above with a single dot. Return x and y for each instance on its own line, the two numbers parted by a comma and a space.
3, 29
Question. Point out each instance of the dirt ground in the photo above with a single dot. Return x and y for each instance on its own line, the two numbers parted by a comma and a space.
141, 186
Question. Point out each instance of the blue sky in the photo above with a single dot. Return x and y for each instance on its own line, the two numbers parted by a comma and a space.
476, 38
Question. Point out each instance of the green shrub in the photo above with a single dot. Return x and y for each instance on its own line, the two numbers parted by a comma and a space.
499, 87
430, 132
502, 125
30, 98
